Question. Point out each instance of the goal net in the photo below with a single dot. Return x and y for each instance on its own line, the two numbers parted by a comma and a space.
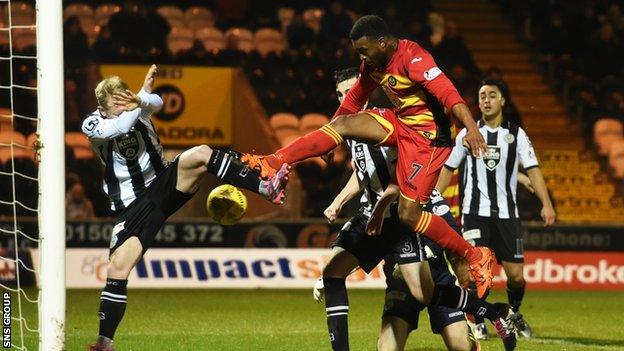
32, 175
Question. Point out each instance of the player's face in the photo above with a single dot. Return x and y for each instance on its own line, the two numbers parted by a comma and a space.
111, 110
372, 51
491, 101
343, 87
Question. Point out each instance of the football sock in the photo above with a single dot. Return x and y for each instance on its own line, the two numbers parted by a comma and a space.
515, 296
337, 307
436, 229
227, 167
316, 143
478, 319
453, 296
112, 306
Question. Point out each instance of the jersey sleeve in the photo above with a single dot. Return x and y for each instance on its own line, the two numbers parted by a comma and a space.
96, 127
459, 152
526, 153
150, 103
422, 69
357, 96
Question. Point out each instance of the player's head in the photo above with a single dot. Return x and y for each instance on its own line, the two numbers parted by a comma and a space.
491, 98
345, 78
372, 39
104, 94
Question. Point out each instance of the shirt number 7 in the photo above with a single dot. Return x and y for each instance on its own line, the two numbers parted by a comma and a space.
416, 168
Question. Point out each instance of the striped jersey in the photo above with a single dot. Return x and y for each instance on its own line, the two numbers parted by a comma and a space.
490, 182
375, 167
129, 149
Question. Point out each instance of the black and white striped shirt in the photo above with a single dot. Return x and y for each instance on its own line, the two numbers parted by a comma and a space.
490, 182
129, 148
375, 167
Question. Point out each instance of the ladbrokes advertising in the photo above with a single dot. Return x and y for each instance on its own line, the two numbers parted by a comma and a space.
197, 102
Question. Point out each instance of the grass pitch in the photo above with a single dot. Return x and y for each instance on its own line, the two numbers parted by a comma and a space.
291, 320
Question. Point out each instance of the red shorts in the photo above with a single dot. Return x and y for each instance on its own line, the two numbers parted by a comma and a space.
418, 163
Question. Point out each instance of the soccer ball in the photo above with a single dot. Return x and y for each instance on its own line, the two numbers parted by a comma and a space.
226, 204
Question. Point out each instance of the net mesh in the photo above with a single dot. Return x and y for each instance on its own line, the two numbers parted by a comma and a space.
19, 183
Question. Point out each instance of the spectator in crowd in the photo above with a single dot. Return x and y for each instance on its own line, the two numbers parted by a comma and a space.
77, 205
336, 24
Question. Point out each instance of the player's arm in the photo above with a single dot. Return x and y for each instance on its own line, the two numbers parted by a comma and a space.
351, 189
458, 155
145, 99
96, 127
528, 159
426, 72
375, 223
526, 182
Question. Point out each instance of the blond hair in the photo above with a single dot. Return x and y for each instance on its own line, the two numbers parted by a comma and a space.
106, 88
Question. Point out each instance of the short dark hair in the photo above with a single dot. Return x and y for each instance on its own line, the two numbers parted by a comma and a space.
344, 74
370, 26
497, 83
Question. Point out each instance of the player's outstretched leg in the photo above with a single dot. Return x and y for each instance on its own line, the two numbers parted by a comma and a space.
480, 260
359, 126
336, 298
195, 162
499, 314
114, 296
515, 294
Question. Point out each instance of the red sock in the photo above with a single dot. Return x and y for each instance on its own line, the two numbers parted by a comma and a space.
317, 143
436, 229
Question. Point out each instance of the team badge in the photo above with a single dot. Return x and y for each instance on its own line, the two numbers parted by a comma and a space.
360, 158
392, 81
509, 138
128, 145
492, 159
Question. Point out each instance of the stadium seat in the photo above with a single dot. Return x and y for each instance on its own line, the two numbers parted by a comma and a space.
243, 37
6, 120
212, 38
23, 38
616, 158
285, 137
78, 10
172, 14
269, 40
607, 131
284, 120
180, 39
22, 13
104, 12
198, 17
77, 139
312, 121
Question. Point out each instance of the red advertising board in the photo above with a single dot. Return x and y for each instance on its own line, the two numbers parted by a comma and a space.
570, 270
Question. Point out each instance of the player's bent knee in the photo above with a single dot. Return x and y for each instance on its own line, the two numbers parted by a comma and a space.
197, 156
387, 344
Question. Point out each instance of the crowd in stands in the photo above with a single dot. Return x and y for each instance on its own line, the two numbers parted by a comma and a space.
288, 50
581, 47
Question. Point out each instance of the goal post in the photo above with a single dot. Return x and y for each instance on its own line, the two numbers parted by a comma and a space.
50, 103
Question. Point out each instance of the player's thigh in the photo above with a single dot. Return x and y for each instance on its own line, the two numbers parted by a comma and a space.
393, 334
418, 278
341, 263
191, 167
409, 211
514, 272
456, 337
124, 258
362, 127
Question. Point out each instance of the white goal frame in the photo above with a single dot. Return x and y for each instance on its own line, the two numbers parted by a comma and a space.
50, 103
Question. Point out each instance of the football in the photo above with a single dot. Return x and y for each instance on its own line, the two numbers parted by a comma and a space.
226, 204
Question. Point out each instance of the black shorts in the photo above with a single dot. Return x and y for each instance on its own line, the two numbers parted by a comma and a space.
502, 235
148, 212
400, 302
395, 238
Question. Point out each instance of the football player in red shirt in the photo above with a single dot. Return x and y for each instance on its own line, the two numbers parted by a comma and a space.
417, 125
